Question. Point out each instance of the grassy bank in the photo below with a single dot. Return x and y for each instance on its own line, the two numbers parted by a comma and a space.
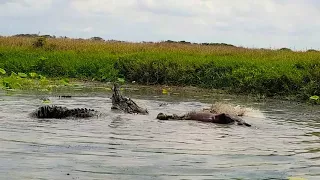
239, 70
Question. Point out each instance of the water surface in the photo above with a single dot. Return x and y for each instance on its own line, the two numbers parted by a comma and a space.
283, 141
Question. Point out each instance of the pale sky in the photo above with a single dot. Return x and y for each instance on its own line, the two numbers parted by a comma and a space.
250, 23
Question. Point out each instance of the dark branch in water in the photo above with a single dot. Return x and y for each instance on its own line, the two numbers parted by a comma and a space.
125, 104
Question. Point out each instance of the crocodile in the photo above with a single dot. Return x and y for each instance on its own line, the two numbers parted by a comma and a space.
220, 118
125, 104
129, 106
59, 112
118, 102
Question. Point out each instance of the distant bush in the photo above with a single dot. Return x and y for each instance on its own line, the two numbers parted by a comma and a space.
169, 41
184, 42
312, 50
34, 35
26, 35
205, 44
285, 49
97, 39
218, 44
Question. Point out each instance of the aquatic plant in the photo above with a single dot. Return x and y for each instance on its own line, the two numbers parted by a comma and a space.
2, 71
31, 81
314, 99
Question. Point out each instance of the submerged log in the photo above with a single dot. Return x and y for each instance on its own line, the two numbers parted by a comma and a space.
59, 112
125, 104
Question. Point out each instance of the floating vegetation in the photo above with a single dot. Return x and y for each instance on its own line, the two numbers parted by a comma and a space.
2, 71
165, 91
30, 81
314, 99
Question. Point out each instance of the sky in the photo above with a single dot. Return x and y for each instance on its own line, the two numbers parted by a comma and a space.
249, 23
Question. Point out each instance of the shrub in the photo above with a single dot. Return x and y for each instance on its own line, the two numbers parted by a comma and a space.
40, 42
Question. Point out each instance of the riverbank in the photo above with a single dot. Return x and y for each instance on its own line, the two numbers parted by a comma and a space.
261, 72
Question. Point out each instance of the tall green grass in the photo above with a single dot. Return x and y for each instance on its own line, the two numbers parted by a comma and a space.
240, 70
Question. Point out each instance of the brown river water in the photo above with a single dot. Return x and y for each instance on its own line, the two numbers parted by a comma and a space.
283, 142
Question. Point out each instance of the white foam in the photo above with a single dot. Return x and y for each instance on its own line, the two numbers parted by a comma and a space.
232, 109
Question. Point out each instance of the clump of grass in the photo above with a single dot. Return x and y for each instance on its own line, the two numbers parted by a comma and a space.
270, 73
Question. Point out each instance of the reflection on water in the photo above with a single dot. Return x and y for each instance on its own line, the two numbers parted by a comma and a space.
283, 142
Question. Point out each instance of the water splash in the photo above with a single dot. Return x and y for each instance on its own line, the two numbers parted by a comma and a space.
237, 110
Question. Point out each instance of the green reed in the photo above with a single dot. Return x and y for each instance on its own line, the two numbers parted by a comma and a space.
263, 72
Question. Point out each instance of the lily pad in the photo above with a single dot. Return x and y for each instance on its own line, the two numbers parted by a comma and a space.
64, 82
33, 75
164, 91
13, 74
2, 71
315, 98
22, 75
46, 101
